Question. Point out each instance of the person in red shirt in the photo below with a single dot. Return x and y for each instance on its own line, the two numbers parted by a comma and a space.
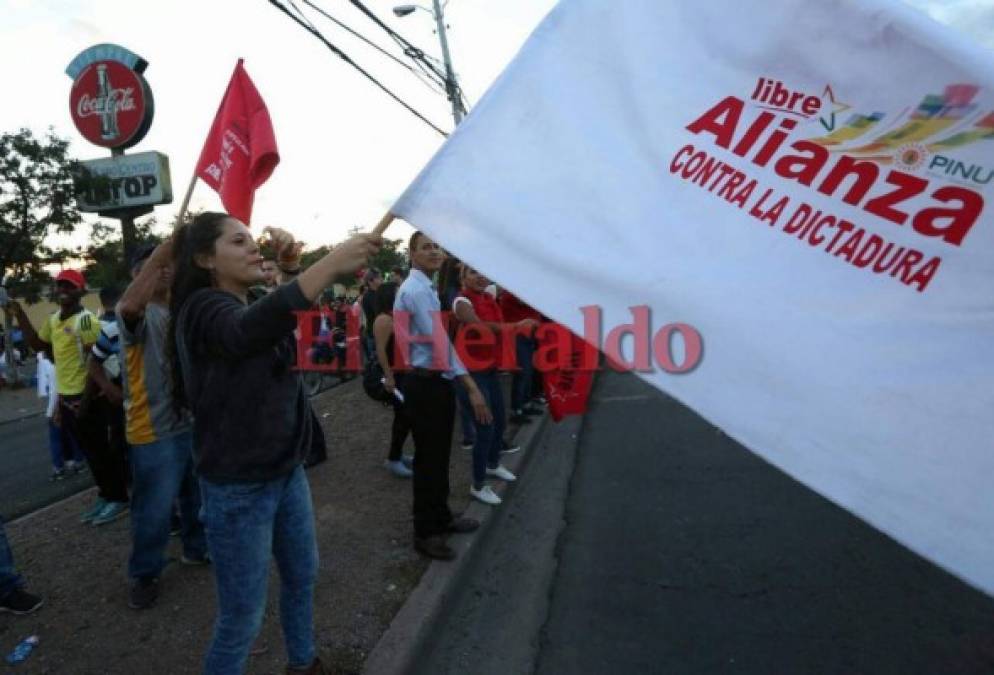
521, 385
479, 314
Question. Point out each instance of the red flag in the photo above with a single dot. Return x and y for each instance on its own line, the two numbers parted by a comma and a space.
567, 389
240, 152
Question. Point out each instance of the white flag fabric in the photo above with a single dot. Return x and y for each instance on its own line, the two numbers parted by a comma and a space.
808, 183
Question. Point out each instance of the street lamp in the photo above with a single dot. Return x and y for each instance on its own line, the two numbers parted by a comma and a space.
451, 86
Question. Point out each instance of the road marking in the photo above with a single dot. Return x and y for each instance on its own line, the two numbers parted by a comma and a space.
618, 399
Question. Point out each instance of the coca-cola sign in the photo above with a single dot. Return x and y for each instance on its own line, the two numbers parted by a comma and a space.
111, 104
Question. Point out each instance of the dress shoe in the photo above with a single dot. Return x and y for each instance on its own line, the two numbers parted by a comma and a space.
434, 547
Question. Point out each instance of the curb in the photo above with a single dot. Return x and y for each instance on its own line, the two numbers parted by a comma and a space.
22, 418
48, 507
399, 646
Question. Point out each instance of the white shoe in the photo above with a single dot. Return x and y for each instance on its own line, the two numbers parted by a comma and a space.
398, 468
485, 495
502, 473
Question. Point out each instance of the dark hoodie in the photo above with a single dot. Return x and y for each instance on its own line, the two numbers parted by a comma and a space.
252, 419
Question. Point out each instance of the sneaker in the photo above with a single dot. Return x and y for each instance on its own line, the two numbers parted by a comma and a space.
144, 592
540, 401
19, 601
502, 473
93, 511
408, 461
467, 445
175, 525
485, 495
57, 474
532, 410
434, 547
509, 448
75, 467
519, 417
111, 512
398, 468
194, 561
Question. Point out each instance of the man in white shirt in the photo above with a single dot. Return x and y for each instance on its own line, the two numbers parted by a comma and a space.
429, 399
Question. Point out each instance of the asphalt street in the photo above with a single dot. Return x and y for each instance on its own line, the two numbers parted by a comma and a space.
653, 543
25, 468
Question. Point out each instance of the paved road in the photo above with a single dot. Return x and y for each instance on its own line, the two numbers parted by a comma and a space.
675, 550
25, 468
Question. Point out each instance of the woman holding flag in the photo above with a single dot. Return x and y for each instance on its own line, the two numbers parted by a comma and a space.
252, 432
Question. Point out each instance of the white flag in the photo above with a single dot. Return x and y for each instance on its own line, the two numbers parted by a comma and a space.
809, 184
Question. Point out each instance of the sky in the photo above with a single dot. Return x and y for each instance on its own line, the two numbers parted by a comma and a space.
347, 150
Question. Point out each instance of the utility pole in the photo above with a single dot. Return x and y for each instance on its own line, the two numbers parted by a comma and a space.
451, 86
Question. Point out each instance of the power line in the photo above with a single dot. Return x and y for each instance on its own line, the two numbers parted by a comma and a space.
343, 26
409, 49
415, 53
342, 55
302, 15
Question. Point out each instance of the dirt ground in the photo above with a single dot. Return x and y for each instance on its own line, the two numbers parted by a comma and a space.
368, 567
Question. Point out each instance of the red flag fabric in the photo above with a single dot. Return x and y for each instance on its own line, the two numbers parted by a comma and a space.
567, 388
240, 152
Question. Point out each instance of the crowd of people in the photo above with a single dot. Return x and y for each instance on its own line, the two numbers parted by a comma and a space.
184, 400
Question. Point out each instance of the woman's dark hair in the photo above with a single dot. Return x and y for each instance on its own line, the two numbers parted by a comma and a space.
196, 237
448, 282
385, 296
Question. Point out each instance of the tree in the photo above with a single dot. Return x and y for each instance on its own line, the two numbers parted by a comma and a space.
107, 265
389, 256
36, 200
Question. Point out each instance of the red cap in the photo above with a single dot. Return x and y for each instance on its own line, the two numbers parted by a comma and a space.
74, 277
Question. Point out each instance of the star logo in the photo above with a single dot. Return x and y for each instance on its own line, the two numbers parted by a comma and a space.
828, 101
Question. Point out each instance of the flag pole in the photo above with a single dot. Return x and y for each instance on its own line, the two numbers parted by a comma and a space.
186, 200
384, 223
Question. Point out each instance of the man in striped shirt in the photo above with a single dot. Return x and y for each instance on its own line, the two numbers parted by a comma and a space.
159, 436
101, 421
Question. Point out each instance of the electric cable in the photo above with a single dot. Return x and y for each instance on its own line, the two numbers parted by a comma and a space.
342, 55
415, 53
432, 83
409, 49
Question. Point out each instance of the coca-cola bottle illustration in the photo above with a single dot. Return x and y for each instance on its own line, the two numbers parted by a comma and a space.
106, 105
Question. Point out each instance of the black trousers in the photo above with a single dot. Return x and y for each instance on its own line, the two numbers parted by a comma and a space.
398, 433
101, 435
430, 405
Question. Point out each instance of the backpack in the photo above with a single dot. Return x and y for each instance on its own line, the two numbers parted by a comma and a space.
372, 382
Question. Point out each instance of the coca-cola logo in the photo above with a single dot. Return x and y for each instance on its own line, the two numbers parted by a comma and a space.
117, 101
111, 104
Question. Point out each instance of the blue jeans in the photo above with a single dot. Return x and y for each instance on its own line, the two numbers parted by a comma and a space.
161, 472
521, 382
58, 439
467, 421
10, 580
489, 437
248, 524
